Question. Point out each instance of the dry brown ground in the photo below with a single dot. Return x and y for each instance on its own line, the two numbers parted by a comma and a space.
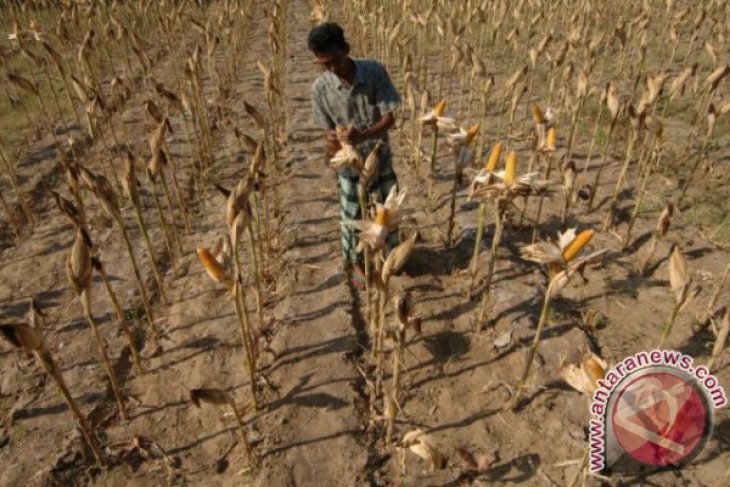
315, 427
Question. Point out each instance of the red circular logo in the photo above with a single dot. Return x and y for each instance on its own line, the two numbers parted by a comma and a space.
660, 419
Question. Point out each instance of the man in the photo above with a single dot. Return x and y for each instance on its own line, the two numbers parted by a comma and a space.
360, 94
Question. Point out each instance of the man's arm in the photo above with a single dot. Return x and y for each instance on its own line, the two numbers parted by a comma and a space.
324, 121
387, 100
375, 130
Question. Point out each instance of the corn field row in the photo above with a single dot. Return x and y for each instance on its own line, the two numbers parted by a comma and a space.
521, 121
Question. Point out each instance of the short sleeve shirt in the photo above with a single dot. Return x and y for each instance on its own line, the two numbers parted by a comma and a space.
370, 96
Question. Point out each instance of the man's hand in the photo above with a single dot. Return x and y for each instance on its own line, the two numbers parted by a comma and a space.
354, 136
333, 144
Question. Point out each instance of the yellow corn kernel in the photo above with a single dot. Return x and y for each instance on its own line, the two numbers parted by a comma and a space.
510, 168
471, 134
577, 244
381, 216
551, 138
537, 114
494, 157
440, 108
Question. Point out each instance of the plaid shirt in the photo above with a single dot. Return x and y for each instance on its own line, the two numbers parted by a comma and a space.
371, 95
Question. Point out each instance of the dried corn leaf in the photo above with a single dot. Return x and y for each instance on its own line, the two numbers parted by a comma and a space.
679, 278
22, 336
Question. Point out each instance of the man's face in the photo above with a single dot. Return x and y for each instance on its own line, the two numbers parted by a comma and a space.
334, 60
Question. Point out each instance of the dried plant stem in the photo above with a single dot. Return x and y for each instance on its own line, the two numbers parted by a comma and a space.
452, 206
442, 69
256, 210
70, 100
101, 347
271, 154
53, 92
178, 193
171, 211
700, 157
98, 138
245, 327
384, 292
368, 260
619, 182
266, 217
138, 277
49, 126
415, 141
241, 426
644, 265
434, 150
536, 225
592, 145
122, 321
533, 348
150, 252
398, 360
256, 274
572, 135
496, 240
601, 165
34, 127
49, 366
640, 198
668, 327
481, 217
12, 175
375, 323
161, 217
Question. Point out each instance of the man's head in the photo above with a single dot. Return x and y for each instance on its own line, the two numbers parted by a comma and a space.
327, 42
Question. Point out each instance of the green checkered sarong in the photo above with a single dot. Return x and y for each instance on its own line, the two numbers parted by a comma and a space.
378, 190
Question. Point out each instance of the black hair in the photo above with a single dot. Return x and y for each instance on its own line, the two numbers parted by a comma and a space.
327, 36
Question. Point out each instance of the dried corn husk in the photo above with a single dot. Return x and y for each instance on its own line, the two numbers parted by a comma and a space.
422, 445
584, 376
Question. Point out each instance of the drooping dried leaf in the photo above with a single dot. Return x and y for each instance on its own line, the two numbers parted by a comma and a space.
55, 57
153, 111
23, 83
677, 86
665, 219
398, 257
713, 80
612, 100
255, 115
679, 277
157, 139
36, 316
78, 264
22, 336
80, 89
